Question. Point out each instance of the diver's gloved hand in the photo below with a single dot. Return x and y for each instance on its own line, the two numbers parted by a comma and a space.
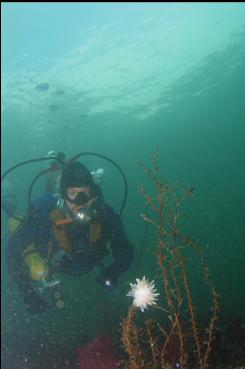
34, 304
108, 278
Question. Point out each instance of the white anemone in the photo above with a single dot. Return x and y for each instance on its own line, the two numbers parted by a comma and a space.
144, 293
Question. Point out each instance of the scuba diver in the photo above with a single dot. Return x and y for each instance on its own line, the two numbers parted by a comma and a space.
70, 232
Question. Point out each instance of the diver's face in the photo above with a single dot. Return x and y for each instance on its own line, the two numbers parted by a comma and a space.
73, 192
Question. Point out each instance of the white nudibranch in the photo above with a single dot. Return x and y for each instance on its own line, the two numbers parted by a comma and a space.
143, 293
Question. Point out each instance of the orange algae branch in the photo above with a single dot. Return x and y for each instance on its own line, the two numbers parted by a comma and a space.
148, 346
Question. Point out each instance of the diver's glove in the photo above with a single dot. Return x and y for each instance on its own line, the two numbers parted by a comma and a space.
34, 304
108, 277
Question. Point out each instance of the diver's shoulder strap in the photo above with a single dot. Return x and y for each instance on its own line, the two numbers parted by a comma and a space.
59, 220
94, 232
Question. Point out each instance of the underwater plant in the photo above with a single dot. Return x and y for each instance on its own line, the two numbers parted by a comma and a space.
176, 339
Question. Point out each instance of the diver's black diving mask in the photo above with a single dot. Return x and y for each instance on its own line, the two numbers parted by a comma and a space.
85, 215
80, 199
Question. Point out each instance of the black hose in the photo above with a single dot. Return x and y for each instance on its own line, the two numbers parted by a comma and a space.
19, 165
34, 181
27, 162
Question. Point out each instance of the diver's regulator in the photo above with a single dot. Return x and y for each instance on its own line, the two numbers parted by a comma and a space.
85, 216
